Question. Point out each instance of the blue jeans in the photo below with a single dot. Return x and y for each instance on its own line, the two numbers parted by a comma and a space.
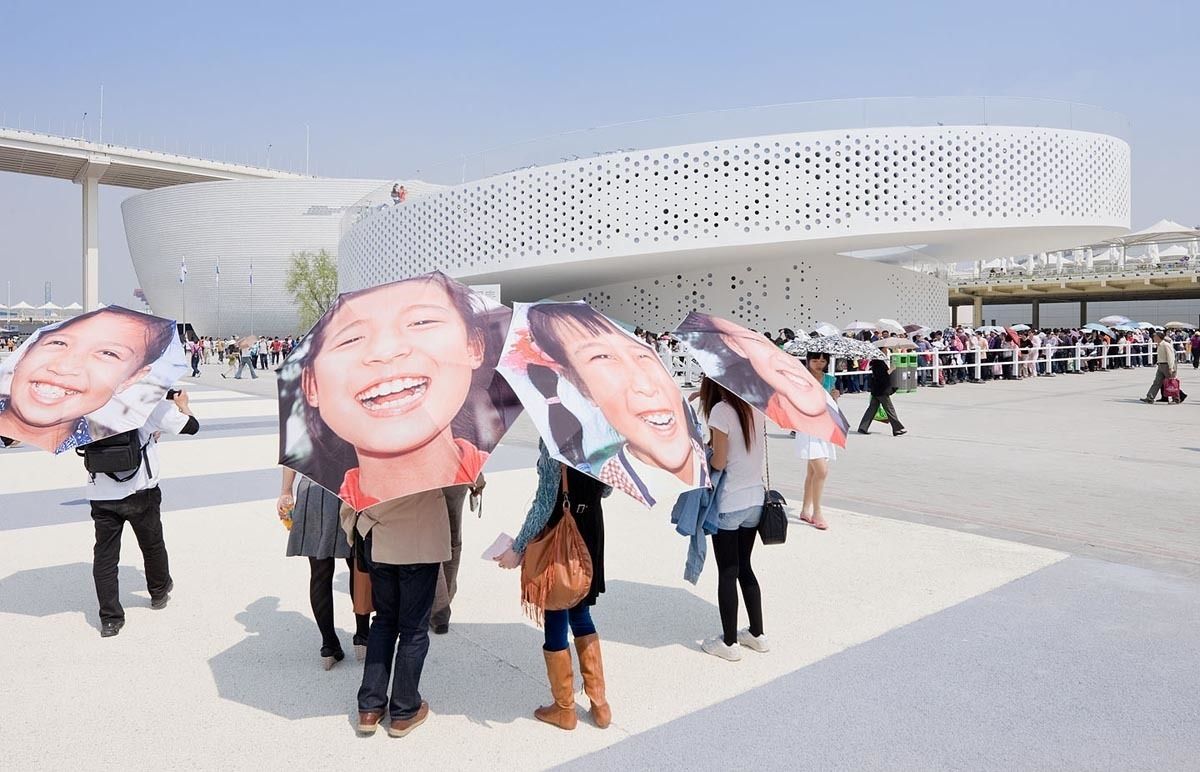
580, 620
403, 599
243, 363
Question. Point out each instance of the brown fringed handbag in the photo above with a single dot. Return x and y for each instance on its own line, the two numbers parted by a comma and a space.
556, 572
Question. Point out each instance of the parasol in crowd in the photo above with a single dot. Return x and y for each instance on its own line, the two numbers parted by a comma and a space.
602, 400
1113, 321
775, 383
825, 328
1146, 326
895, 343
860, 327
394, 391
1012, 335
1093, 327
1179, 326
838, 346
89, 377
916, 330
1021, 327
891, 325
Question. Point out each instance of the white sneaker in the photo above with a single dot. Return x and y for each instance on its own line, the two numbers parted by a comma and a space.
757, 643
717, 647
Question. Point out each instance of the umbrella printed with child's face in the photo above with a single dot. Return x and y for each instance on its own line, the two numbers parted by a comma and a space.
394, 391
755, 369
602, 401
88, 377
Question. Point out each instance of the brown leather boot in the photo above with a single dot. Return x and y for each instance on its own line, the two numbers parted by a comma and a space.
592, 667
560, 713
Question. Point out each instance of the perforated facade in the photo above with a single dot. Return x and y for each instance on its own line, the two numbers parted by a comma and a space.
639, 233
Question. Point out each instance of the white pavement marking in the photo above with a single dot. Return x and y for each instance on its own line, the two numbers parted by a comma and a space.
228, 674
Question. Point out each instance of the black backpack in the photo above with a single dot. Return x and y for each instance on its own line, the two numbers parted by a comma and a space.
120, 453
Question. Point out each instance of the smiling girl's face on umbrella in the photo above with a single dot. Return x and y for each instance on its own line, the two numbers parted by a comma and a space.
394, 369
780, 370
76, 369
628, 382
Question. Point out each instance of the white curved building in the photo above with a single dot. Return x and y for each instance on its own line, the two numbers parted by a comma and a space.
767, 225
759, 228
238, 223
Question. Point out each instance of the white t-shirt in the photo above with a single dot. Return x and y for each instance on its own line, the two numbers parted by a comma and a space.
165, 418
743, 486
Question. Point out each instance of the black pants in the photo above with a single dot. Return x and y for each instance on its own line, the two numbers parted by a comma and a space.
195, 365
886, 402
732, 550
320, 595
403, 598
141, 511
1196, 358
447, 584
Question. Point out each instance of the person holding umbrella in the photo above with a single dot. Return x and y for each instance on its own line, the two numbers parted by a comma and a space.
738, 437
816, 452
880, 385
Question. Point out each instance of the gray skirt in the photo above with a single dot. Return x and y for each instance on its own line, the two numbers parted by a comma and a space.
316, 531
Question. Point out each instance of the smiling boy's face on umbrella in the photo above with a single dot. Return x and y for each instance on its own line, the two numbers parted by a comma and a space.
76, 370
633, 390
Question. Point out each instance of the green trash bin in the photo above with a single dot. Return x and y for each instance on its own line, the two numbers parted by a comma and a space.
910, 367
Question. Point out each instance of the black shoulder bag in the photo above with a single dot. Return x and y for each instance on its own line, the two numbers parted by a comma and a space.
773, 525
119, 454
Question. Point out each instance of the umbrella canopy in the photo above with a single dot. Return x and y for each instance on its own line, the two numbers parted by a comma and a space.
911, 328
895, 343
1093, 327
105, 374
1012, 335
1145, 326
891, 325
1179, 326
603, 402
989, 329
1113, 321
825, 328
860, 326
836, 346
1021, 327
394, 391
771, 380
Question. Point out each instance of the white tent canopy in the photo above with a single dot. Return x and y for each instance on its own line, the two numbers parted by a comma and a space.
22, 306
73, 307
49, 306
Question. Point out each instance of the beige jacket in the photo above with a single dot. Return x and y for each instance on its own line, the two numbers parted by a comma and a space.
405, 531
1166, 354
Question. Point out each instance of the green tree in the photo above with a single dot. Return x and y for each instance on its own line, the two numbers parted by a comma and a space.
312, 280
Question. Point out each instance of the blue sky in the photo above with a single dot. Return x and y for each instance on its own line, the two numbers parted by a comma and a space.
387, 87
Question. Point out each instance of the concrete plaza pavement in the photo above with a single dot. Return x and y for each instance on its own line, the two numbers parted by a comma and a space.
1010, 586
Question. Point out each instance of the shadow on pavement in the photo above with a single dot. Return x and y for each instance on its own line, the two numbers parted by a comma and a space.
488, 673
42, 592
277, 667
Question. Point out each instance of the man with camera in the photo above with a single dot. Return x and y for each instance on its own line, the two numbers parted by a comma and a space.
123, 487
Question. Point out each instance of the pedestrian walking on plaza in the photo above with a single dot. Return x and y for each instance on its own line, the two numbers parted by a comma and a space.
447, 583
1167, 368
738, 439
311, 514
1194, 346
194, 348
402, 543
264, 354
816, 452
881, 396
134, 497
246, 352
584, 493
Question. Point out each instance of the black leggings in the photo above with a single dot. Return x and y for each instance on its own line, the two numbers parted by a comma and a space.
320, 595
732, 550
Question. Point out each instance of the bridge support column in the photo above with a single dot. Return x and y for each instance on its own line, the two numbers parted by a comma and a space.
89, 180
1082, 313
977, 311
1036, 323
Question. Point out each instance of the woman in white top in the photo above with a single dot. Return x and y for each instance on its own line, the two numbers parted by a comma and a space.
738, 434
